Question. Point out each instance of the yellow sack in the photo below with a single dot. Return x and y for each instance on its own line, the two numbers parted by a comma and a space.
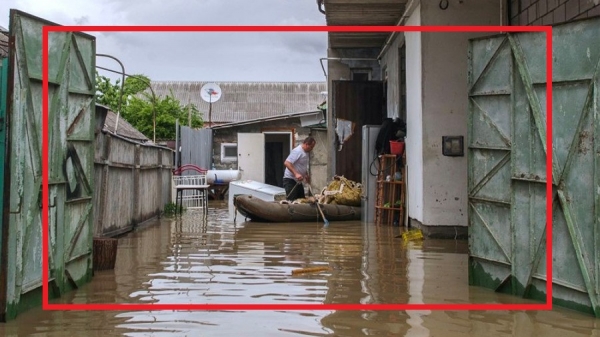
342, 191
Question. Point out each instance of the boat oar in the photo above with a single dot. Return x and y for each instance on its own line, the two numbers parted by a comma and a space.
319, 207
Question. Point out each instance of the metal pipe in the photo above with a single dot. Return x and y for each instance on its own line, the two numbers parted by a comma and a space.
343, 59
320, 6
153, 99
405, 15
122, 84
177, 143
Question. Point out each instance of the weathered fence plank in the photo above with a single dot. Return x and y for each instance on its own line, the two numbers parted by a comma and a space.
134, 183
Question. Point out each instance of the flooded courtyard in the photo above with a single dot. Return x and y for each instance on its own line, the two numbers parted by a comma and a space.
196, 260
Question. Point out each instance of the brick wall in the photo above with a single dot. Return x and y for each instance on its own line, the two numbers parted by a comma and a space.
551, 12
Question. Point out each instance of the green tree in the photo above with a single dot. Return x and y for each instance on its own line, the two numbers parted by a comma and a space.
108, 93
168, 110
137, 106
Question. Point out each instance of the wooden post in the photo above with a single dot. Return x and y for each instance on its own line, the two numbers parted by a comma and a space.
105, 253
136, 173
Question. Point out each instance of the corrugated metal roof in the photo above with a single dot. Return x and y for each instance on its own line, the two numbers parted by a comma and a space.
124, 129
274, 118
242, 101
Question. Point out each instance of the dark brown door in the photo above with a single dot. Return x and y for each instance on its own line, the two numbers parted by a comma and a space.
360, 103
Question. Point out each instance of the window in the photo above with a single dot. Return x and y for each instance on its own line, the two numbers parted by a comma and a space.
228, 152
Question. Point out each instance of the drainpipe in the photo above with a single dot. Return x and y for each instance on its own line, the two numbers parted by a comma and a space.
320, 6
409, 9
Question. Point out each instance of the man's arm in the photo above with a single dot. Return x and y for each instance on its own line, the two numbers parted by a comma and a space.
292, 169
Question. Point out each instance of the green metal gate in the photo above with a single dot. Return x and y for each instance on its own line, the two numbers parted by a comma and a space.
507, 171
71, 154
3, 229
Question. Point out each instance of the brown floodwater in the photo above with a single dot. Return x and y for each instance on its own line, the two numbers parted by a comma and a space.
214, 260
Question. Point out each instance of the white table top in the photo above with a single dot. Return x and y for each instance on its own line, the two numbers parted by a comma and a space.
191, 187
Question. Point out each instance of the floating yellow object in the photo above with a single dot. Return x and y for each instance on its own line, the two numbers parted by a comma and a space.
309, 270
413, 234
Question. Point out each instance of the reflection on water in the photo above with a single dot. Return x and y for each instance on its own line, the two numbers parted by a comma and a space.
190, 260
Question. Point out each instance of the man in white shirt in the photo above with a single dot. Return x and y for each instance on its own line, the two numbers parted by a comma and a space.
296, 169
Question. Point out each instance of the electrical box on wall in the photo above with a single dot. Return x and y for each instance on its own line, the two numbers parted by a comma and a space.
453, 146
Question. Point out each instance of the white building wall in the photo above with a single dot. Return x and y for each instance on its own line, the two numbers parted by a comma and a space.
437, 105
414, 118
445, 107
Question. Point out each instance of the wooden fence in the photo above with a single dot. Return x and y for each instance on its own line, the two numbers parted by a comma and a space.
133, 183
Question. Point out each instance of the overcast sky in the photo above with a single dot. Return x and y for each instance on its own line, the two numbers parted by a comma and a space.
214, 57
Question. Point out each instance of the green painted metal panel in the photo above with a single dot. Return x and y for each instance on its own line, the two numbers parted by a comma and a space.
70, 168
3, 101
507, 164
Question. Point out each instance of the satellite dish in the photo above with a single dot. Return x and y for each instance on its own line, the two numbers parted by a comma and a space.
210, 92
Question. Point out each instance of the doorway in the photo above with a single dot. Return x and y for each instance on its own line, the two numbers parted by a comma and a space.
277, 147
359, 103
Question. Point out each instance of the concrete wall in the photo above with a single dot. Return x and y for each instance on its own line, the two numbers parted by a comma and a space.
318, 161
436, 100
445, 106
550, 12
